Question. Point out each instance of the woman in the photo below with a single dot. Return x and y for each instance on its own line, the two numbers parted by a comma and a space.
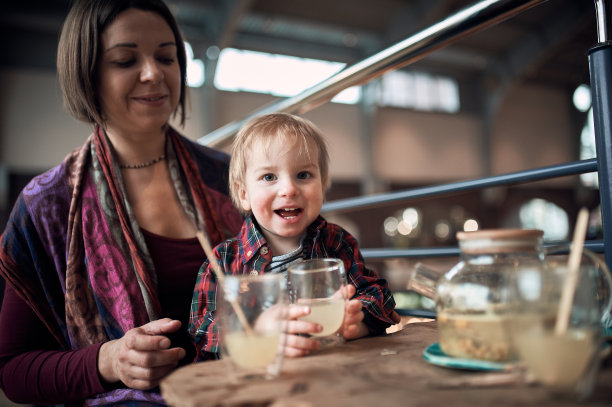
100, 255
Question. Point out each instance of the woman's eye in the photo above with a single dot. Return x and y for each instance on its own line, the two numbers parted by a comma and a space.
125, 64
304, 175
167, 61
268, 177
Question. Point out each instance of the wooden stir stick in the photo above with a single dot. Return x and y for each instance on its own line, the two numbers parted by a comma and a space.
221, 281
571, 278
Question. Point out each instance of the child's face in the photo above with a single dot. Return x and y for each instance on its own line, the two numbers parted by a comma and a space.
284, 191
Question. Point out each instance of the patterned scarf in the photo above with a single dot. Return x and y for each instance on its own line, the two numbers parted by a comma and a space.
76, 219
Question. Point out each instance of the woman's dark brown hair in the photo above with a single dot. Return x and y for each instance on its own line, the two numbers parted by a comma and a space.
79, 51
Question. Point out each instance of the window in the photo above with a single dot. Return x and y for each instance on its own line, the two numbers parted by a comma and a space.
582, 102
419, 91
278, 75
545, 215
285, 76
195, 68
587, 150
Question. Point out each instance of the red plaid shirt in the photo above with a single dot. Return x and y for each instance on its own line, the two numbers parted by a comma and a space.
249, 252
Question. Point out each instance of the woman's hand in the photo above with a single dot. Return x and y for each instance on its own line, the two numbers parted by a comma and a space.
142, 356
297, 345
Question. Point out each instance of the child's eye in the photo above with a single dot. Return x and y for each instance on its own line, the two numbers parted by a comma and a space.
304, 175
268, 177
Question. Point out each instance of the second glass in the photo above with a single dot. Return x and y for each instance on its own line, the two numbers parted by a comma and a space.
562, 357
252, 312
319, 283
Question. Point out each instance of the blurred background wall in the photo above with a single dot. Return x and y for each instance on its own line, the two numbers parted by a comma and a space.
515, 85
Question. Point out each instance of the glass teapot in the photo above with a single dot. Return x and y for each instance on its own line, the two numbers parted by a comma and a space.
476, 298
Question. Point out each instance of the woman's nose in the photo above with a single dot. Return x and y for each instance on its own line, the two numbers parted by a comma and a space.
151, 72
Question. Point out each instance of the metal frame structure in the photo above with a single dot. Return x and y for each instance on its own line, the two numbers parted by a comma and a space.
471, 19
600, 68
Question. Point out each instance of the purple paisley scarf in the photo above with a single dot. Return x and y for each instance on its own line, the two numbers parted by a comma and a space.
74, 252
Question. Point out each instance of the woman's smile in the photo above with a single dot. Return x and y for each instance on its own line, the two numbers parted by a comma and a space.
152, 100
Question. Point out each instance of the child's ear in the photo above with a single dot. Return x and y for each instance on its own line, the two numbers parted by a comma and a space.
243, 197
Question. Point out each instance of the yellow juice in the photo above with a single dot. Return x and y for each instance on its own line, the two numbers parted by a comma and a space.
252, 351
328, 312
556, 361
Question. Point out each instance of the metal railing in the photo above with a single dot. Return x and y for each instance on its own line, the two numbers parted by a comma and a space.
467, 21
464, 22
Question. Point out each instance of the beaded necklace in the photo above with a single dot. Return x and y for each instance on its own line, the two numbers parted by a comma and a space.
143, 165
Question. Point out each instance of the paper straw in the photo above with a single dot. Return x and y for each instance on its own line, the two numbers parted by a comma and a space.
571, 278
221, 281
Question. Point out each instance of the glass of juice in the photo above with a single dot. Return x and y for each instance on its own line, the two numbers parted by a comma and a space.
320, 284
563, 356
252, 313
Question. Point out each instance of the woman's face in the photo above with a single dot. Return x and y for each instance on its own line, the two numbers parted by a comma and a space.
139, 78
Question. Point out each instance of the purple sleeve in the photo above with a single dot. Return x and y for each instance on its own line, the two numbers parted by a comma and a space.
33, 369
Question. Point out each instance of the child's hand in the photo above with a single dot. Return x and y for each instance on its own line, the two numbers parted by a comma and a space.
353, 326
395, 317
296, 345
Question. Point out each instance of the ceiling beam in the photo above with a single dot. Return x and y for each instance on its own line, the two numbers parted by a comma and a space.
411, 19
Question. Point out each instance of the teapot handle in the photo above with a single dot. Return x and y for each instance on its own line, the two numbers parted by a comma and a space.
604, 284
424, 280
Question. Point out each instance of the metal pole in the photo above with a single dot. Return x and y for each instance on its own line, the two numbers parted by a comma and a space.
600, 68
373, 201
602, 26
464, 22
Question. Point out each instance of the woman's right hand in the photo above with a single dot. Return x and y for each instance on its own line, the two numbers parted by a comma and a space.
142, 357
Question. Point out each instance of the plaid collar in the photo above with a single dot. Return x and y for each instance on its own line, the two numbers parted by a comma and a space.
252, 240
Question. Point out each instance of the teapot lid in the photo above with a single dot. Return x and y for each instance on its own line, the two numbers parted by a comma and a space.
499, 240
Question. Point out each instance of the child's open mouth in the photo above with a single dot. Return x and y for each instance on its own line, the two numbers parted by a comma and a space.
288, 213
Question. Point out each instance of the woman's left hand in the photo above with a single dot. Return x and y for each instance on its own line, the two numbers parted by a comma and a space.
142, 356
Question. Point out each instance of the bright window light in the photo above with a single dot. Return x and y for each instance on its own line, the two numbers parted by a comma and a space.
542, 214
278, 75
582, 98
195, 73
195, 68
588, 150
419, 91
285, 76
348, 96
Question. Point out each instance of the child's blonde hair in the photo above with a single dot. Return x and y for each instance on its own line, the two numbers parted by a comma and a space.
267, 129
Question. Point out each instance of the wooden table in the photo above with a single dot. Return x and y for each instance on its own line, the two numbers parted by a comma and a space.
378, 371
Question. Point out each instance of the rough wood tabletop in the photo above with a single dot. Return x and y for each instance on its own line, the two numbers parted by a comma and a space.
377, 371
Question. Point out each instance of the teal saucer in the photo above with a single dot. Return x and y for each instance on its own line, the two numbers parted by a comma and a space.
434, 354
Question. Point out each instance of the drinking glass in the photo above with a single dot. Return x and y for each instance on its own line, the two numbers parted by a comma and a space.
252, 313
566, 361
320, 284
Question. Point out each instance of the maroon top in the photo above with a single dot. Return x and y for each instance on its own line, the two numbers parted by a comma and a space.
49, 375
